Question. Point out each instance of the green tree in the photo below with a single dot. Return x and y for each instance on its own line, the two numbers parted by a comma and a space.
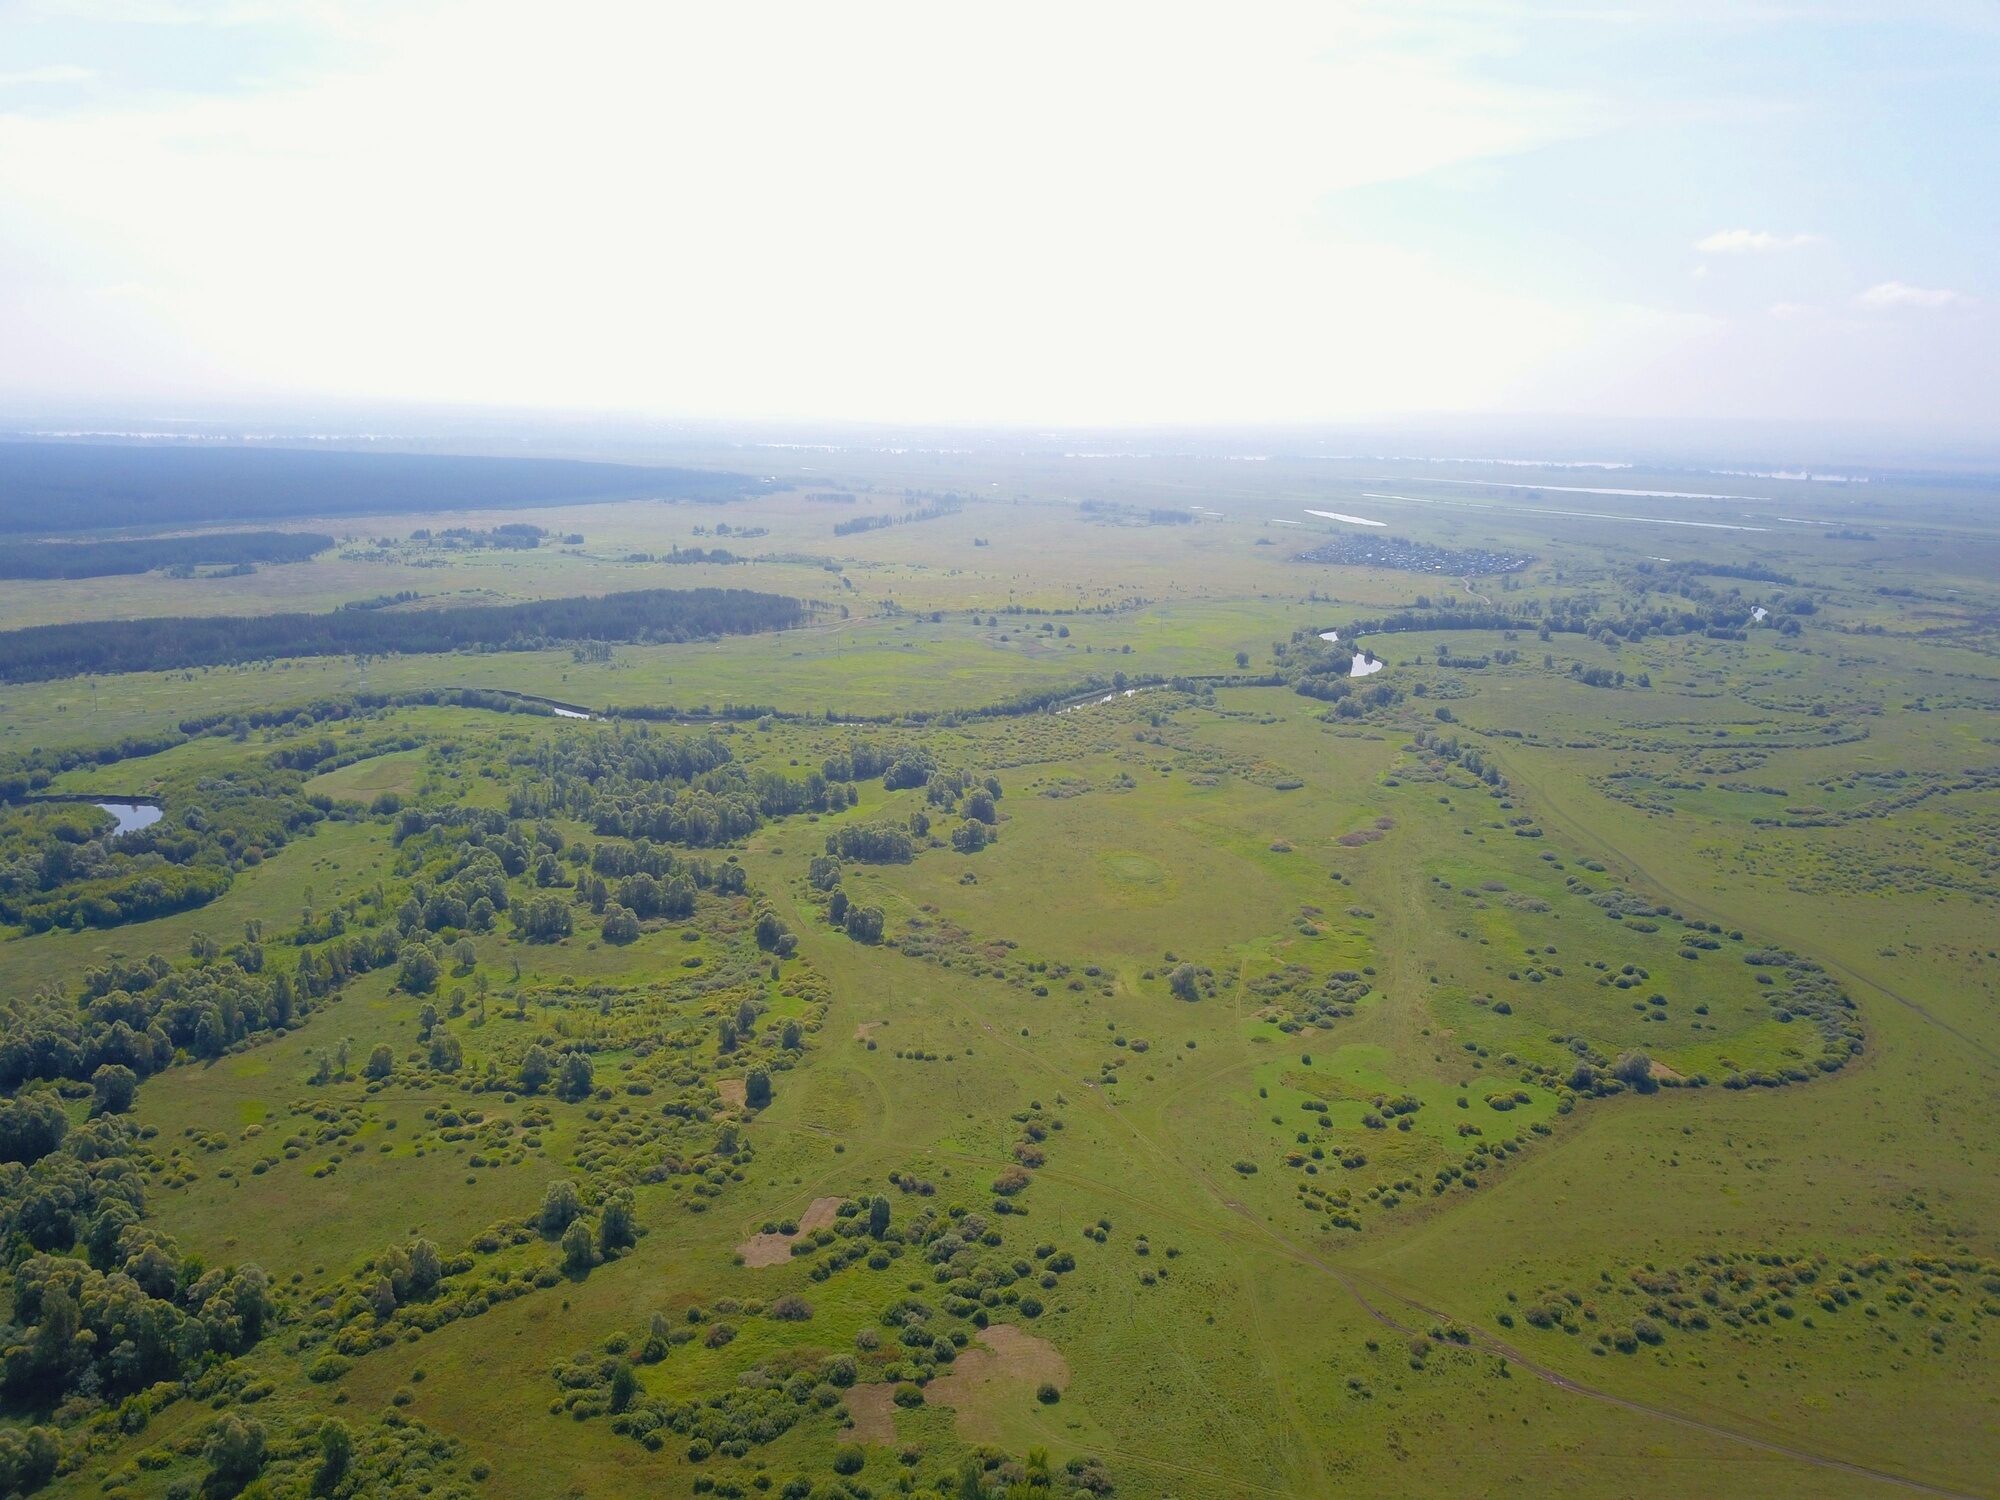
112, 1088
1635, 1071
235, 1453
616, 1229
624, 1386
878, 1216
560, 1207
579, 1247
28, 1458
54, 1355
381, 1061
32, 1124
577, 1077
417, 969
770, 930
757, 1088
336, 1455
536, 1069
426, 1268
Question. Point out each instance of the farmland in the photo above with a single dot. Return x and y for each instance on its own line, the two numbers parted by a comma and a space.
1024, 1018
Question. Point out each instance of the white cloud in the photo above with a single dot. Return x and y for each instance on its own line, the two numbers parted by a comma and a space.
1751, 242
905, 211
1793, 310
1888, 296
52, 73
1042, 212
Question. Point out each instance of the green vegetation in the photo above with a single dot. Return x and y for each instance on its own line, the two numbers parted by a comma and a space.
91, 485
1081, 1042
44, 651
234, 549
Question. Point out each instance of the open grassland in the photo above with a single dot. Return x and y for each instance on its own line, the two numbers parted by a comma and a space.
1497, 1072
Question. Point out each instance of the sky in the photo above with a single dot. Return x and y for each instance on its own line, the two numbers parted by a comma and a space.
1046, 213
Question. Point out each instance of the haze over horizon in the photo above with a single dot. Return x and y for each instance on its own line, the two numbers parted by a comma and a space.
1316, 214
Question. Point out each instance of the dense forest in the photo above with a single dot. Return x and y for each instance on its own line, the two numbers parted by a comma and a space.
42, 652
96, 485
144, 553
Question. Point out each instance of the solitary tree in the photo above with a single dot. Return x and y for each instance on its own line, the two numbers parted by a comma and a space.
579, 1247
235, 1453
615, 1229
381, 1061
560, 1206
624, 1386
757, 1088
426, 1268
418, 971
1635, 1071
336, 1453
536, 1068
577, 1078
770, 930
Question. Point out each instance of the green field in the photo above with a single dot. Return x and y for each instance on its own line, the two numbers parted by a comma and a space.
1563, 1061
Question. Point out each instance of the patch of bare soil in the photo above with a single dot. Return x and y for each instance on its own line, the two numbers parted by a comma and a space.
867, 1029
735, 1092
871, 1413
1010, 1368
775, 1249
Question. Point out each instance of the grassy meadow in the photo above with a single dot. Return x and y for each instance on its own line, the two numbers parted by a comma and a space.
1570, 1066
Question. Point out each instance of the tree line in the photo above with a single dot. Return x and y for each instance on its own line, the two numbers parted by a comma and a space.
92, 485
144, 554
42, 652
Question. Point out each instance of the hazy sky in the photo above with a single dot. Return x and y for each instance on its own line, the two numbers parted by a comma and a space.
1023, 212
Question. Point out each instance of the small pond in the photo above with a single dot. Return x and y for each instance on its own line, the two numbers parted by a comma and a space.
131, 816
